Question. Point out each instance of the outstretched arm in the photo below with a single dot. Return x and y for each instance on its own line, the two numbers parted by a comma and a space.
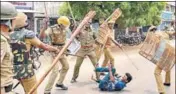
31, 39
36, 42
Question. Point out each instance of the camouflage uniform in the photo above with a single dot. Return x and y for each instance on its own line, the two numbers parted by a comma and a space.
23, 68
87, 40
58, 38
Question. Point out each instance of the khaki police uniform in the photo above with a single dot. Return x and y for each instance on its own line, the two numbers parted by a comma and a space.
8, 13
107, 51
158, 70
6, 65
58, 39
87, 40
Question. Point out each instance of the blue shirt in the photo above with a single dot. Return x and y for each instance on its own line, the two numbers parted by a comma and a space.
119, 85
105, 85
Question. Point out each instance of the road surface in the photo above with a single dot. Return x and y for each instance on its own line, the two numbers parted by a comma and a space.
143, 79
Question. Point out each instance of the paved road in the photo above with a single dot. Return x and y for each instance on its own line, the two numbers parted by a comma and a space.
143, 79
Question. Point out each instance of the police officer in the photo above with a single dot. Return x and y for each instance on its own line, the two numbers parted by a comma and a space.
21, 41
158, 70
107, 53
87, 40
8, 13
57, 34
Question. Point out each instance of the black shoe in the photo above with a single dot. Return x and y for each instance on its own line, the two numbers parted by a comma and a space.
62, 86
167, 84
73, 81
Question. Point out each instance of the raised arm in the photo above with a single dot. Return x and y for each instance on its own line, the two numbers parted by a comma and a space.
110, 73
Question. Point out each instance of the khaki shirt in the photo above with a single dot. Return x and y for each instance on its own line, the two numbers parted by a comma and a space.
86, 38
87, 41
109, 41
57, 35
6, 62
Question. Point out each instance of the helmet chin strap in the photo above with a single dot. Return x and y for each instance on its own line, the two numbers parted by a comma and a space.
8, 23
62, 26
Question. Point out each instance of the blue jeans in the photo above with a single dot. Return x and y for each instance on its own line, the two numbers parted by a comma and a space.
104, 69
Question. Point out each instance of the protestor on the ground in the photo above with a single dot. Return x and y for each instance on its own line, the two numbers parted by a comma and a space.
110, 81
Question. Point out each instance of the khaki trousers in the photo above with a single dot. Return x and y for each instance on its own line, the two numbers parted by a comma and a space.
28, 84
159, 80
55, 71
79, 61
108, 57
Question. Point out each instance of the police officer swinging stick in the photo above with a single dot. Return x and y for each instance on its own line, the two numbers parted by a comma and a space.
104, 38
89, 16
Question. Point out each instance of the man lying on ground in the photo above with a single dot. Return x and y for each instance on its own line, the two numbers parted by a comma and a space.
110, 82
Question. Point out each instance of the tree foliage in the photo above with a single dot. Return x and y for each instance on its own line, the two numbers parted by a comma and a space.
133, 13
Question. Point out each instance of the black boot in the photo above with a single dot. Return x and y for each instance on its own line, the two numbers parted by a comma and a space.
167, 84
62, 86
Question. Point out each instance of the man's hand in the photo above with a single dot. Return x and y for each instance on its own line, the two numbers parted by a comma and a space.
110, 72
57, 50
112, 79
120, 45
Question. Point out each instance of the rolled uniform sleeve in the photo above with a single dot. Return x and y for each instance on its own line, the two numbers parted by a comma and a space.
31, 39
34, 41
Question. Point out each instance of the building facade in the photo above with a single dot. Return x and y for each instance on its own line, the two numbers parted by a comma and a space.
49, 10
36, 12
28, 9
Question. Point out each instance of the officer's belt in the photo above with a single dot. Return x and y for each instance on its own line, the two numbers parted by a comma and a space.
57, 44
8, 88
87, 46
